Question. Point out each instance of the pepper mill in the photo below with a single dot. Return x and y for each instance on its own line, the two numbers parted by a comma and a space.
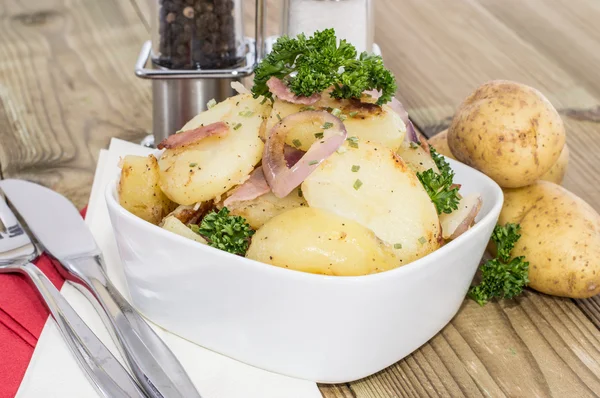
197, 50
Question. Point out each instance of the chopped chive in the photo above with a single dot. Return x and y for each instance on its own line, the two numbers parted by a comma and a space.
353, 113
357, 184
397, 245
313, 162
343, 117
193, 164
278, 116
413, 145
246, 113
422, 240
353, 142
307, 108
263, 101
327, 125
319, 135
336, 112
297, 143
211, 103
300, 192
355, 168
341, 150
237, 126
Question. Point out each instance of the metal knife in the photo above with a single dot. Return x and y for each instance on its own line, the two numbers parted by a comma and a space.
59, 228
104, 371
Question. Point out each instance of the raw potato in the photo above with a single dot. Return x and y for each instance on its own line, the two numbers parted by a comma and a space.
381, 125
260, 210
208, 169
139, 191
509, 131
557, 172
391, 201
440, 143
416, 157
173, 224
316, 241
560, 237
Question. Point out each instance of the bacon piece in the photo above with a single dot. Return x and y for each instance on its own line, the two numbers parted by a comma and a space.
252, 188
192, 136
277, 87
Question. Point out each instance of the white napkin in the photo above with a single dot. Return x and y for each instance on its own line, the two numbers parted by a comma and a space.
53, 372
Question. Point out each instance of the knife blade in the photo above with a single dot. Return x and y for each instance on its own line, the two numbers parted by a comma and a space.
59, 228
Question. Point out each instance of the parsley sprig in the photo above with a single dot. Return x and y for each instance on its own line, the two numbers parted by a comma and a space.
311, 65
439, 186
224, 231
502, 277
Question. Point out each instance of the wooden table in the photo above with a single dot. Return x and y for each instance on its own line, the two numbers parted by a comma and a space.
67, 86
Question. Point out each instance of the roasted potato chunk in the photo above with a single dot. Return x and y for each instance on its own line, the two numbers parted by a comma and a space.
367, 122
374, 187
320, 242
139, 191
260, 210
207, 169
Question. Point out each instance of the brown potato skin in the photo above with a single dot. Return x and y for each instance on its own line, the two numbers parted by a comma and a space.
557, 172
560, 237
508, 131
440, 143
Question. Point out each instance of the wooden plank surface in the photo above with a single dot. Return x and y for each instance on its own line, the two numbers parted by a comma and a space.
67, 86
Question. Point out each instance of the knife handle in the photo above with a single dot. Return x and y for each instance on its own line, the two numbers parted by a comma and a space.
105, 372
152, 362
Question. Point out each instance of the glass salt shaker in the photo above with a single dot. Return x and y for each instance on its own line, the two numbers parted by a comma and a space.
351, 19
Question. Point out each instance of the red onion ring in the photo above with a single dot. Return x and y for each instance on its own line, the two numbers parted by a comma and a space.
277, 87
292, 155
252, 188
284, 180
411, 133
192, 136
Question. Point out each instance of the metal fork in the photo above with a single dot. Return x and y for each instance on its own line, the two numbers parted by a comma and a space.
104, 371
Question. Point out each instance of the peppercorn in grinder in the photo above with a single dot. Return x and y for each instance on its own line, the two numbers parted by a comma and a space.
197, 50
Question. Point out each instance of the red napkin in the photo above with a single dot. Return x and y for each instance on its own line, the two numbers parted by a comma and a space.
22, 318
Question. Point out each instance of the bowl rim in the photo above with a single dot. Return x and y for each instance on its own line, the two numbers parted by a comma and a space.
412, 267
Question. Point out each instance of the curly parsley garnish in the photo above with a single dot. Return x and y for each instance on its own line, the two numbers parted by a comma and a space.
439, 186
311, 65
224, 231
500, 277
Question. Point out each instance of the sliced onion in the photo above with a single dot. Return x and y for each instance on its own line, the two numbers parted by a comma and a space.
461, 219
252, 188
239, 88
292, 155
277, 87
411, 132
284, 180
192, 136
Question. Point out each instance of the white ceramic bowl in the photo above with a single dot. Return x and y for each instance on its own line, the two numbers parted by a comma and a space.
321, 328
